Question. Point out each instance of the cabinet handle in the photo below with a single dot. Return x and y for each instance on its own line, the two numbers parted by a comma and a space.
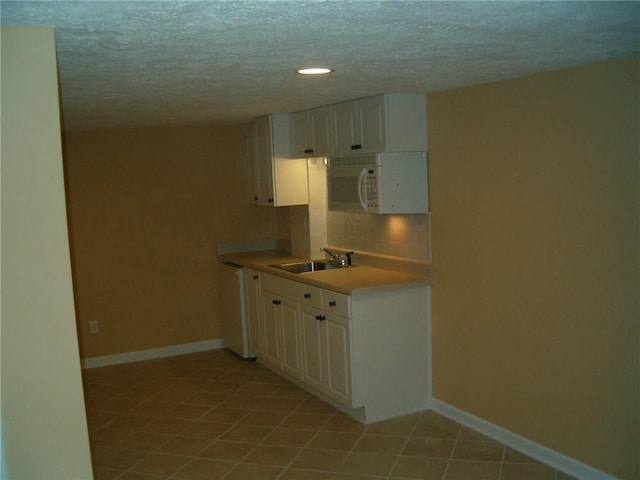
270, 200
276, 302
255, 198
307, 295
332, 303
256, 277
320, 318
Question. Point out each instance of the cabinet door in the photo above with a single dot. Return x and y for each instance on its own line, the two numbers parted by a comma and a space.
320, 122
300, 141
253, 307
345, 128
311, 134
290, 322
271, 343
280, 179
264, 155
252, 161
373, 124
313, 347
338, 383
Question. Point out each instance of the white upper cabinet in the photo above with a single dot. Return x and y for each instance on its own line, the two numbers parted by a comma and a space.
373, 127
393, 122
346, 128
311, 133
252, 161
279, 144
275, 178
300, 133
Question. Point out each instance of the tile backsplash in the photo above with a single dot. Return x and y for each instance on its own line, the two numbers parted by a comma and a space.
311, 227
405, 236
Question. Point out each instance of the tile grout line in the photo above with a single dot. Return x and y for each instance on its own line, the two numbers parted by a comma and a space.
139, 401
255, 408
455, 445
217, 438
504, 454
173, 435
133, 432
406, 442
350, 451
317, 431
304, 446
114, 396
261, 442
193, 421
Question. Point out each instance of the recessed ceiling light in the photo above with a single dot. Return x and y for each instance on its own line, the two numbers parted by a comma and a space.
314, 71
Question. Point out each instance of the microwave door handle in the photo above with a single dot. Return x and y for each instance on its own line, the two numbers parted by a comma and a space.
362, 188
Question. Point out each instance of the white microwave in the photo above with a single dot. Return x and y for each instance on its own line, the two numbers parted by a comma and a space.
379, 183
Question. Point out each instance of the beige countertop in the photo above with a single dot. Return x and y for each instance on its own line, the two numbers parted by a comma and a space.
359, 279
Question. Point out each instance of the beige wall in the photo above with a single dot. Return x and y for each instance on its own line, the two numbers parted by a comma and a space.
44, 426
146, 209
535, 209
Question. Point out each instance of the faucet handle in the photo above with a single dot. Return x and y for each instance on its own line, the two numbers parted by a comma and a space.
331, 254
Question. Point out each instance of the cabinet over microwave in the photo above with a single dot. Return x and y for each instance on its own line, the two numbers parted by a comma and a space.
383, 183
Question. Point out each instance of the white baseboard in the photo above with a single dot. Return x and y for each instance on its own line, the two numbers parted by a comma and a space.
543, 454
152, 353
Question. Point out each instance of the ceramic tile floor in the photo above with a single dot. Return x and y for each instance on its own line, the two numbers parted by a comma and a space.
214, 416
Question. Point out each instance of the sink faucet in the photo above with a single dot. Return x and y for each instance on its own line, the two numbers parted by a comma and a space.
337, 258
332, 256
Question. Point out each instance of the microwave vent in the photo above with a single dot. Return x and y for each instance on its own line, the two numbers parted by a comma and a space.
374, 159
354, 161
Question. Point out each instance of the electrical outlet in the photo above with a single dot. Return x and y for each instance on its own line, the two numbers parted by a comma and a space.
94, 327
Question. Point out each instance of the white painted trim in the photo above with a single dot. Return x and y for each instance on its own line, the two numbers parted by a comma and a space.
152, 353
545, 455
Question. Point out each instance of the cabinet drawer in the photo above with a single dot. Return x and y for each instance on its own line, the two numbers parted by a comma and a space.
337, 303
297, 291
307, 295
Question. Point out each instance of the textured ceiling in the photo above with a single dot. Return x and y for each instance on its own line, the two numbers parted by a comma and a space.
138, 63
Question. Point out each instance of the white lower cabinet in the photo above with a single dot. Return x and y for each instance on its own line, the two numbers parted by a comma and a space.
325, 350
290, 331
368, 354
281, 333
271, 341
254, 318
281, 302
338, 348
313, 340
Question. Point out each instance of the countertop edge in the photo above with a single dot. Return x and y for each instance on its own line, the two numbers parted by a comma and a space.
365, 280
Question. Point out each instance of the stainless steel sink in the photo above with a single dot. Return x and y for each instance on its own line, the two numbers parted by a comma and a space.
308, 266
